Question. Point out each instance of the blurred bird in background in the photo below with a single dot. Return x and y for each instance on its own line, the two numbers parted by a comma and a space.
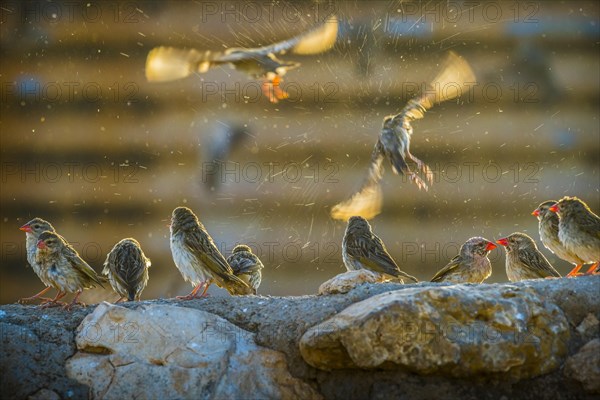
227, 138
165, 64
394, 140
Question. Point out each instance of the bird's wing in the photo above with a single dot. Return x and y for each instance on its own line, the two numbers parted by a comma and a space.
82, 267
451, 266
317, 40
202, 246
538, 263
366, 202
244, 263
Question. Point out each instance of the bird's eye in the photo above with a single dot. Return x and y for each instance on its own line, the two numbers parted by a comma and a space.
36, 226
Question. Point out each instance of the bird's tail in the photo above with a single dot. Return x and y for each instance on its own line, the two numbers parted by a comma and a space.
454, 79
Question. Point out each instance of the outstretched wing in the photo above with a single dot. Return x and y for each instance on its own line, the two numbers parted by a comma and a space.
366, 202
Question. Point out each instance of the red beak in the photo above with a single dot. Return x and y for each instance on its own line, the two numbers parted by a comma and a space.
25, 228
503, 241
41, 244
536, 212
554, 208
490, 246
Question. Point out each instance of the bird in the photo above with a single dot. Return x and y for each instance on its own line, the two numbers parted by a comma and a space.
394, 141
126, 268
471, 265
169, 63
62, 268
524, 260
549, 228
197, 257
362, 249
579, 230
33, 229
246, 266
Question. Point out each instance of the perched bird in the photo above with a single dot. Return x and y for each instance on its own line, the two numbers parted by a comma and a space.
394, 140
524, 260
579, 230
246, 266
126, 268
362, 249
549, 227
197, 257
471, 265
63, 269
33, 229
169, 63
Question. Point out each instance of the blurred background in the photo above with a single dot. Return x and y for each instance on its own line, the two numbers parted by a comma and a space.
88, 144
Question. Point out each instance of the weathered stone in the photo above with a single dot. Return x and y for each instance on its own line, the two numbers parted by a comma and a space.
176, 352
458, 330
589, 328
343, 283
44, 394
584, 366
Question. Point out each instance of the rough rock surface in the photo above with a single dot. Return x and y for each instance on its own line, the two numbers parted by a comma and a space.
36, 344
453, 330
585, 366
177, 353
343, 283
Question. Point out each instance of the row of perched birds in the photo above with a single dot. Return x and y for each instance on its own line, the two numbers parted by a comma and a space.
568, 228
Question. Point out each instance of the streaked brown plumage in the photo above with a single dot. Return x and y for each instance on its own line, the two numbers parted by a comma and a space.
33, 229
63, 269
579, 230
471, 265
126, 268
246, 266
394, 140
362, 249
549, 227
197, 257
168, 63
524, 260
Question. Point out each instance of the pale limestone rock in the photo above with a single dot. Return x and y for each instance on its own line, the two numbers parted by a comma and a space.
584, 366
343, 283
165, 351
589, 328
458, 330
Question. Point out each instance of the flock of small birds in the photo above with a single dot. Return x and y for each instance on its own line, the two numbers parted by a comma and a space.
568, 228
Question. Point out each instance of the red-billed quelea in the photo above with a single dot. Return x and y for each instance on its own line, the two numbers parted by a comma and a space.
524, 260
197, 257
549, 227
168, 63
362, 249
62, 267
33, 229
246, 266
579, 230
471, 265
394, 140
126, 268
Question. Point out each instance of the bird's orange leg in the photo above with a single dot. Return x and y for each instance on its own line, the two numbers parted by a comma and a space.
592, 270
272, 90
54, 302
120, 299
193, 293
75, 301
205, 289
575, 271
36, 297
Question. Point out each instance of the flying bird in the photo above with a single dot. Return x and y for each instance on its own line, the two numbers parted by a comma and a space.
394, 140
165, 64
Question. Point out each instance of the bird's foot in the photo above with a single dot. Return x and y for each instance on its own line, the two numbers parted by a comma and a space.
593, 270
418, 181
69, 306
273, 91
574, 271
52, 303
26, 300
